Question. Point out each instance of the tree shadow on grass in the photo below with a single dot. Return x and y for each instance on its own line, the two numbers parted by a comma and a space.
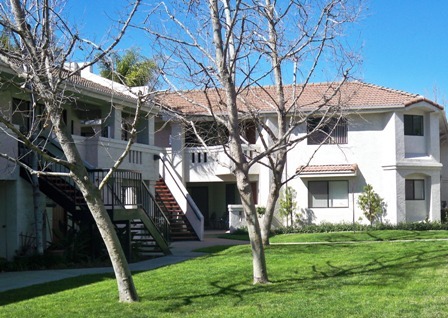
385, 270
213, 249
375, 237
382, 270
389, 270
26, 293
53, 287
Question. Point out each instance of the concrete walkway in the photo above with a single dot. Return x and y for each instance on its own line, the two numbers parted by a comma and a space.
182, 251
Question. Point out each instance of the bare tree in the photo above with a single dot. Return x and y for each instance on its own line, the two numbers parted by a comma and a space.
228, 51
44, 43
318, 36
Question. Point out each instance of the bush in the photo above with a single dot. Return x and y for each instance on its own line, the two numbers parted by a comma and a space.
350, 227
371, 204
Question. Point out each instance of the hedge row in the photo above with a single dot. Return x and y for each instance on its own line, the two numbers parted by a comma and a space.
341, 227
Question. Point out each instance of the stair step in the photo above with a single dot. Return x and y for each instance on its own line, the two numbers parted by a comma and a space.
180, 229
145, 242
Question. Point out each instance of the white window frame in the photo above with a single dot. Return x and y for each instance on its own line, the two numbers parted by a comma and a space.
330, 196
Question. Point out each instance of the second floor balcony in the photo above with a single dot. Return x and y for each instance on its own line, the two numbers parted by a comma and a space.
102, 152
211, 164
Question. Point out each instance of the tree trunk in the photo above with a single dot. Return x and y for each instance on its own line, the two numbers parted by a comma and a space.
125, 283
126, 288
278, 160
37, 208
260, 275
266, 221
226, 68
278, 167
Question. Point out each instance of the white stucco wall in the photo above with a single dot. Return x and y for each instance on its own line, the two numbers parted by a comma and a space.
376, 143
385, 158
162, 134
8, 145
16, 215
369, 153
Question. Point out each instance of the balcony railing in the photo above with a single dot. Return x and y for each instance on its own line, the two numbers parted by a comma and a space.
207, 164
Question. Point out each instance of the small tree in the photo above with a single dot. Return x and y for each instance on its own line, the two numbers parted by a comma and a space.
288, 204
371, 204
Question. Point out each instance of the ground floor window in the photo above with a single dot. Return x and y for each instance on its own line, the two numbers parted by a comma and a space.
415, 189
328, 194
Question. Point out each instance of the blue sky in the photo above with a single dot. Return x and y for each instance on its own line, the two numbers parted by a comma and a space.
405, 46
404, 43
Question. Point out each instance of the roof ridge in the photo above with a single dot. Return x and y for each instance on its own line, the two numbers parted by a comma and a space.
402, 92
368, 84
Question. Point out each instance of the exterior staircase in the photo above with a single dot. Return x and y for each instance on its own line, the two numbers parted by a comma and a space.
139, 221
142, 241
180, 227
66, 195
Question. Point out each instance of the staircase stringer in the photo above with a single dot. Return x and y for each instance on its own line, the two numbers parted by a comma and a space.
155, 233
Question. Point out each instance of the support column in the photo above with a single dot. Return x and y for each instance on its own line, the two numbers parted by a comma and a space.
116, 121
177, 146
435, 200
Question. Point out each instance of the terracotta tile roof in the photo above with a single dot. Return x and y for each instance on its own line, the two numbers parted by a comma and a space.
328, 169
79, 81
355, 95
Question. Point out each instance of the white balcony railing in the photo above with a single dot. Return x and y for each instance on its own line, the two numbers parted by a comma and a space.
211, 163
101, 152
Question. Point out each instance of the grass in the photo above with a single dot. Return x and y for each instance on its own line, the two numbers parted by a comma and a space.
400, 279
346, 236
386, 235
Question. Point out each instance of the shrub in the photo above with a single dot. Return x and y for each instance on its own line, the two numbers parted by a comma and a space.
371, 204
349, 227
288, 205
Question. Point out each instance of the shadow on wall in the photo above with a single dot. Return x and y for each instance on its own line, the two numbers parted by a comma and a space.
305, 217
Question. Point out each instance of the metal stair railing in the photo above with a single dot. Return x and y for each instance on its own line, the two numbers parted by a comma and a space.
125, 189
25, 156
156, 212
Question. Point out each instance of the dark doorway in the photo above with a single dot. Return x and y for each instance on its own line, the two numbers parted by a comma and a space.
200, 197
231, 195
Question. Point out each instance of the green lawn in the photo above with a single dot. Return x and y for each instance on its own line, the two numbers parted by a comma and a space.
400, 279
388, 235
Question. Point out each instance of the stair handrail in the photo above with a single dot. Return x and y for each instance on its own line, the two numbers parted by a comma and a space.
197, 225
24, 153
54, 143
110, 192
164, 227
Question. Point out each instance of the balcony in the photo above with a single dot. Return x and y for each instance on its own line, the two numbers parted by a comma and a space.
101, 152
211, 164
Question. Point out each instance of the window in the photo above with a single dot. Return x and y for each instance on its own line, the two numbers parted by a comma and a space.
413, 125
248, 130
212, 133
328, 194
327, 130
415, 189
